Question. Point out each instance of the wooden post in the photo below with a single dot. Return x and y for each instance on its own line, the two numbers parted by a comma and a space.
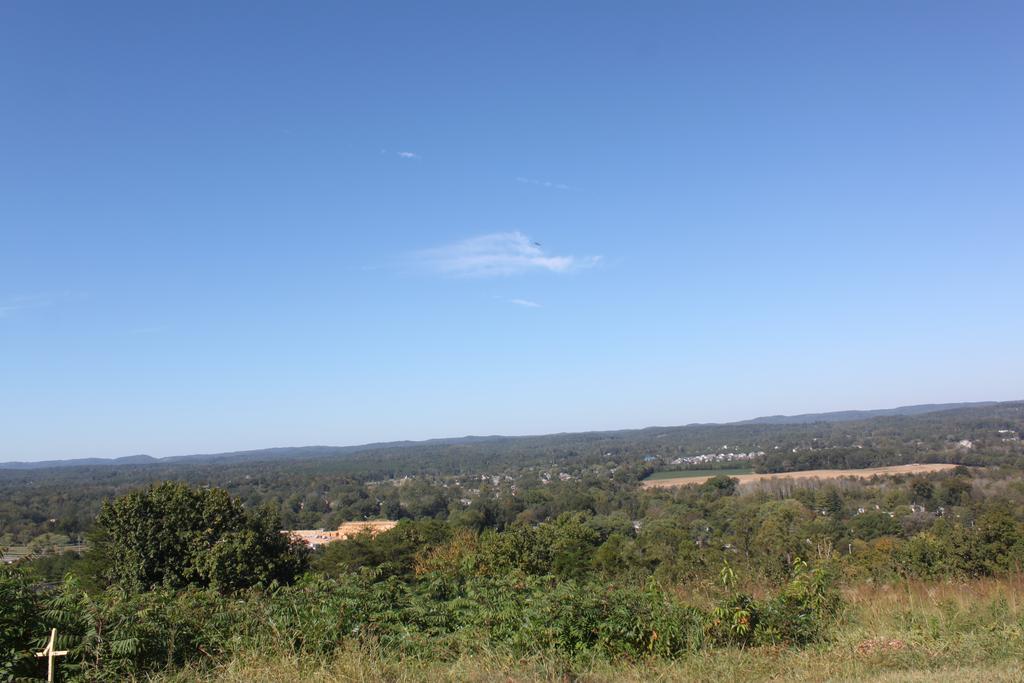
50, 653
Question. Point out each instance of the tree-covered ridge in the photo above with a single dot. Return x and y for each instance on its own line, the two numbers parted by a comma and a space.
311, 452
437, 479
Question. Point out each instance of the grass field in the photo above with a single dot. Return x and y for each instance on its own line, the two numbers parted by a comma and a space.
910, 633
692, 477
704, 474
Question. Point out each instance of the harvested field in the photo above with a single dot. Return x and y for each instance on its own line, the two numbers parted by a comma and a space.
807, 474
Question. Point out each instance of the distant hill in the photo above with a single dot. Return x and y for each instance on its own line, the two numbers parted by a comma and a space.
852, 415
258, 455
315, 452
80, 462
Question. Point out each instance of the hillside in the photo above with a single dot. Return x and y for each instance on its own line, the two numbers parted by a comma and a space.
852, 415
319, 487
728, 430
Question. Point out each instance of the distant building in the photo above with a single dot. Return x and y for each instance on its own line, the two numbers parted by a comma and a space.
315, 538
717, 457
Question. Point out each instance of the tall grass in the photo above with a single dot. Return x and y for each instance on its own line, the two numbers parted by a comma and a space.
913, 632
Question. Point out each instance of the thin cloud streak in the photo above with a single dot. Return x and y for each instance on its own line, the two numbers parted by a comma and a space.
403, 155
498, 254
16, 304
542, 183
525, 303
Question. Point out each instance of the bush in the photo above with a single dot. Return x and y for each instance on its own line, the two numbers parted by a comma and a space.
120, 635
800, 614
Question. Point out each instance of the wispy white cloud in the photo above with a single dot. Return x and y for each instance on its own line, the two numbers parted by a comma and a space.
404, 155
542, 183
15, 304
500, 253
525, 303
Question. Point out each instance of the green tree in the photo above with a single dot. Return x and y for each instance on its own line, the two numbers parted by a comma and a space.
926, 556
720, 485
999, 545
955, 491
571, 543
782, 535
829, 501
874, 524
19, 623
923, 491
390, 553
175, 536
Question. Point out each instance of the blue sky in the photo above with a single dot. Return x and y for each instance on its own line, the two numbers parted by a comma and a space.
242, 225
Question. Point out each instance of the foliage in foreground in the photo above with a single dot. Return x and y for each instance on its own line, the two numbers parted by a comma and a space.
117, 635
911, 632
197, 585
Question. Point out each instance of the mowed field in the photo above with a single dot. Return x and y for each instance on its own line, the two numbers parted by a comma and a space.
806, 474
686, 474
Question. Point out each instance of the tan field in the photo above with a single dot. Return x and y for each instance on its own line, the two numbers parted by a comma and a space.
807, 474
317, 537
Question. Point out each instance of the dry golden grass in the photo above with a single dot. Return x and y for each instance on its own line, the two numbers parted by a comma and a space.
737, 666
911, 633
866, 473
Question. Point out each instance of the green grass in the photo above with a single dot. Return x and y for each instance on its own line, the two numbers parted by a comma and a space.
686, 474
908, 633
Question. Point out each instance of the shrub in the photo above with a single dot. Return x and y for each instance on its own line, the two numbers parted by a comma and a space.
800, 614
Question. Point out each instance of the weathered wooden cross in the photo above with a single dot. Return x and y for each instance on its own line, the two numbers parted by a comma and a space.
50, 653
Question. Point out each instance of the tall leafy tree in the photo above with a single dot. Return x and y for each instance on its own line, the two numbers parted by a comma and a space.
175, 536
